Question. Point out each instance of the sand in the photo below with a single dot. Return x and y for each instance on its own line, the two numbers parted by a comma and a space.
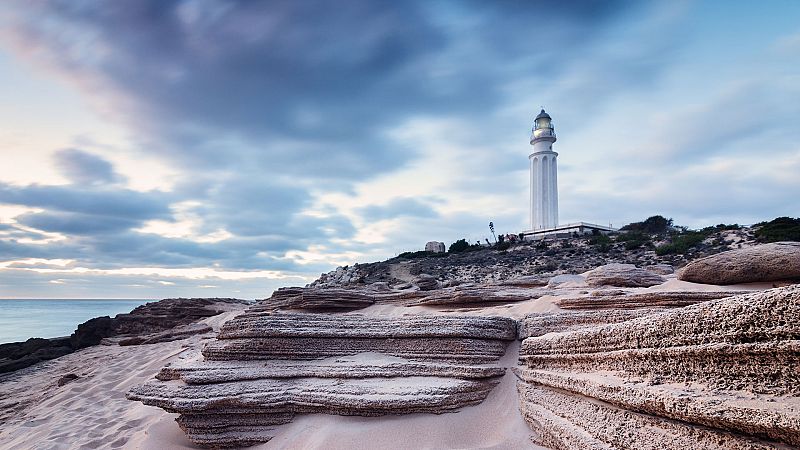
92, 412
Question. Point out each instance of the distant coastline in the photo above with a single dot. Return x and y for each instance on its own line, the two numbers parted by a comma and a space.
21, 319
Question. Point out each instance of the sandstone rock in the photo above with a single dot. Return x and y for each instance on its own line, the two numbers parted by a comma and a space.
174, 334
767, 262
660, 269
65, 379
472, 296
622, 275
558, 280
426, 282
528, 281
718, 374
539, 324
267, 367
622, 300
314, 299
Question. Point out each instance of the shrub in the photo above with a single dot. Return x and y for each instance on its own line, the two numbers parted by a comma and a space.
653, 225
634, 239
601, 242
681, 243
458, 246
420, 254
502, 245
780, 229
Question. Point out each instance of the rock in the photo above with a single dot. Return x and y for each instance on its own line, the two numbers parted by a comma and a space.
265, 368
767, 262
622, 275
528, 281
558, 280
315, 299
710, 375
64, 379
426, 282
174, 334
92, 332
622, 300
473, 296
539, 324
660, 269
18, 355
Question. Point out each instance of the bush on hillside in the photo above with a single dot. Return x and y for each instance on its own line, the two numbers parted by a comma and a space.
459, 246
634, 239
780, 229
420, 254
681, 243
652, 225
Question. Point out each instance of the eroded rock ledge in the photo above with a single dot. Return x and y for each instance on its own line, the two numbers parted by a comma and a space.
265, 368
719, 374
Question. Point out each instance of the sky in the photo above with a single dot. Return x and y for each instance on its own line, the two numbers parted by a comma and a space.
155, 148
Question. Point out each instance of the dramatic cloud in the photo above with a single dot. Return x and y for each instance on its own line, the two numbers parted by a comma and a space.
293, 136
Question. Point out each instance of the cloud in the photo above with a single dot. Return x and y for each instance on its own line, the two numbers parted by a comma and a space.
84, 168
399, 207
297, 135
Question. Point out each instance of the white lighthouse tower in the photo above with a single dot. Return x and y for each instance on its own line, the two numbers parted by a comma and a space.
544, 178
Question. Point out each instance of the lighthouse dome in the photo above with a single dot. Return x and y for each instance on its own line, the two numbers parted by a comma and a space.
543, 115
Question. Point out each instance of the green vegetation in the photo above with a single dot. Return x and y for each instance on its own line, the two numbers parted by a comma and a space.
634, 239
780, 229
682, 242
651, 225
459, 246
420, 254
601, 242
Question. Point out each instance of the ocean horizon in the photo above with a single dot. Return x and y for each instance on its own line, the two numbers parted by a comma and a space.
21, 319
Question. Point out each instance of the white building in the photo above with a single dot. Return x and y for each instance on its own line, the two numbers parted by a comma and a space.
544, 174
435, 247
544, 187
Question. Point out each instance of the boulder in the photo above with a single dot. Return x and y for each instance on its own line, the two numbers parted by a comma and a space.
767, 262
426, 282
622, 275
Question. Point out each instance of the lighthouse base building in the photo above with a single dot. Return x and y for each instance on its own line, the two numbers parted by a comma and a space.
544, 186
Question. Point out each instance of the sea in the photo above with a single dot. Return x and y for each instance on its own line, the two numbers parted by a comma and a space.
47, 318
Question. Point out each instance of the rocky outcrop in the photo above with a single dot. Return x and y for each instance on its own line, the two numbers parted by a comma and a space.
174, 334
265, 368
168, 319
768, 262
474, 296
622, 275
426, 282
660, 269
539, 324
18, 355
315, 299
624, 300
719, 374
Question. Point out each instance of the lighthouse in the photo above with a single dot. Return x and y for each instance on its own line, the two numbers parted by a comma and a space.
544, 174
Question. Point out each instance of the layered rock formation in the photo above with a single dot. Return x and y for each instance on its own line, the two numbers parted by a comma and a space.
625, 300
320, 299
718, 375
768, 262
265, 368
622, 275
